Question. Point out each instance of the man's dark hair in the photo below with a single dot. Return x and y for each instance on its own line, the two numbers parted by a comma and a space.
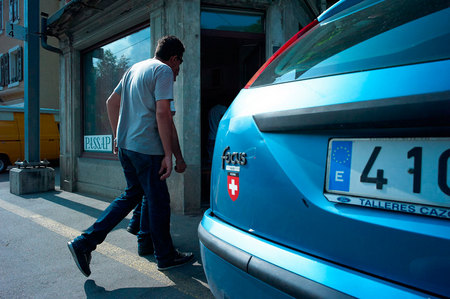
169, 46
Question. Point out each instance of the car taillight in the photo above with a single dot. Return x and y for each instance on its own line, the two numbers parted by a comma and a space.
281, 50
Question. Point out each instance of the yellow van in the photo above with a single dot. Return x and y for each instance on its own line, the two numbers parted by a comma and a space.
12, 135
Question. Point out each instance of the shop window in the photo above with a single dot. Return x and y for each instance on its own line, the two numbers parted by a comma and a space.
15, 66
232, 21
14, 12
102, 68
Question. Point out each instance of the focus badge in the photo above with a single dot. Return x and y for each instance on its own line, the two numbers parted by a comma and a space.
233, 158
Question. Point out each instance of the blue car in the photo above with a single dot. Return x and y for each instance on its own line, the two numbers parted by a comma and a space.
330, 174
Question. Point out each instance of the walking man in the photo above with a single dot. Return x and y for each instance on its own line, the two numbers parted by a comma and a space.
145, 139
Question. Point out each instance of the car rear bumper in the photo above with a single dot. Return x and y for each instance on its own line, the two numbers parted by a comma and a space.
238, 263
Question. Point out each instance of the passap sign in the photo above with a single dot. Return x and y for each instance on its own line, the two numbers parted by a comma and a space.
98, 143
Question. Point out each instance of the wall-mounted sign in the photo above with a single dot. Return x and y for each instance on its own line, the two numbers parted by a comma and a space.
16, 31
98, 143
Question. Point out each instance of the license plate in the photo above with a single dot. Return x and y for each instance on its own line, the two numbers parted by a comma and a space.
413, 171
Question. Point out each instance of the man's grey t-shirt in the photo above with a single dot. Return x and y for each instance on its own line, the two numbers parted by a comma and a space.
141, 86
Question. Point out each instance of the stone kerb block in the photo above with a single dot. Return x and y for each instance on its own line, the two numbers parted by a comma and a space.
31, 180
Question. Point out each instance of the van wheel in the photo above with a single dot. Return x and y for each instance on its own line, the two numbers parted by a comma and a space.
4, 162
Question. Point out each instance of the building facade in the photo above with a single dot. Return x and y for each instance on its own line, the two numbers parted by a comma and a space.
226, 42
12, 61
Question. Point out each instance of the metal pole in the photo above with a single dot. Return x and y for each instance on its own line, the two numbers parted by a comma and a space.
31, 81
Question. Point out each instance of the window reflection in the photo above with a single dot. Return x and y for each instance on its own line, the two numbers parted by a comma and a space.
228, 21
103, 68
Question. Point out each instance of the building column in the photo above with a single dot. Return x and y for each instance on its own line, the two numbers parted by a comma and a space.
182, 19
69, 116
188, 90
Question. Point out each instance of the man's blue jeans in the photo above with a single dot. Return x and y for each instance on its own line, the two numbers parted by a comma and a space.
136, 219
140, 217
141, 174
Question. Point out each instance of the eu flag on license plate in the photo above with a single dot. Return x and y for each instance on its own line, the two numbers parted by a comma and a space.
340, 165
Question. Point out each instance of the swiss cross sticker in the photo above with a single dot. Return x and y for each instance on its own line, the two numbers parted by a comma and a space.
233, 185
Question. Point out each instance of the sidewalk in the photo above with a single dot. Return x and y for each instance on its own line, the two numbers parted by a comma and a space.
35, 261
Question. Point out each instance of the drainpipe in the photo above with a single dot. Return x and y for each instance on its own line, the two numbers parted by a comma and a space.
44, 34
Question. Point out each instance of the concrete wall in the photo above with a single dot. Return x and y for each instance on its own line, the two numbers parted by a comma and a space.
100, 177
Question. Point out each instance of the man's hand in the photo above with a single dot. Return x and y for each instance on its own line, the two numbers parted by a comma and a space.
115, 148
113, 108
180, 166
166, 167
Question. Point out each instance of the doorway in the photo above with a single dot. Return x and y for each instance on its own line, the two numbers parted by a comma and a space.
229, 58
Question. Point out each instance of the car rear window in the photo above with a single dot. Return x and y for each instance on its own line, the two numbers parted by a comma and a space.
382, 34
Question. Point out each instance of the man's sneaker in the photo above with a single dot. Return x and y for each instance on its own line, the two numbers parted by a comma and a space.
133, 227
180, 259
81, 257
145, 246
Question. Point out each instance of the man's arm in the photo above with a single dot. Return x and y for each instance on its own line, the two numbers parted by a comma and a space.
165, 123
113, 108
180, 164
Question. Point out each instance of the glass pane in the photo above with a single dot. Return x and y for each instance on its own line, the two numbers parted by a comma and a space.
103, 68
232, 22
378, 36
